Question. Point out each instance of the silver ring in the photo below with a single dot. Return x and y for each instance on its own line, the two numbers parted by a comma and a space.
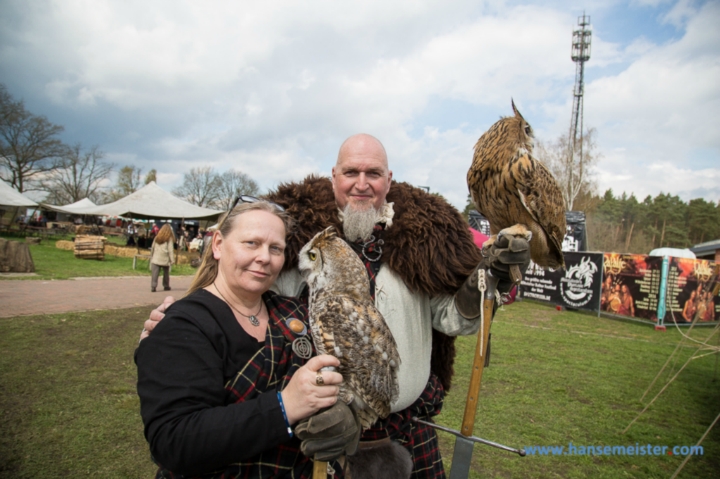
319, 380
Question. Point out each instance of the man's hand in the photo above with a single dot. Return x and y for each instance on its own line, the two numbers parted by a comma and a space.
330, 433
499, 254
156, 315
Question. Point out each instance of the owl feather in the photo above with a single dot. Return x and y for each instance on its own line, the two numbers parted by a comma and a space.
512, 189
345, 323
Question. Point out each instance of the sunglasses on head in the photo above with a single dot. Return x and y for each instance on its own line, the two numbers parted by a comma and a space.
252, 199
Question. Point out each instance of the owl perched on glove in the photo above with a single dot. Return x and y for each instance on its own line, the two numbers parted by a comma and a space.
511, 188
345, 323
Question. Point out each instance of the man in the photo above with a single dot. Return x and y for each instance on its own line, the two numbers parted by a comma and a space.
420, 258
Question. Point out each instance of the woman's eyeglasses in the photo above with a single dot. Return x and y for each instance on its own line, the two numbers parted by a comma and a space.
252, 199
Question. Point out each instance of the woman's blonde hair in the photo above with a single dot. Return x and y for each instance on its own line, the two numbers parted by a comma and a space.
208, 270
165, 234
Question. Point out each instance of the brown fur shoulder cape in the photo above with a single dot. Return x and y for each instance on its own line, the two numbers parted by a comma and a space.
428, 245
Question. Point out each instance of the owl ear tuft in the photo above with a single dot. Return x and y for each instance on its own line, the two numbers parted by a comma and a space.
515, 110
329, 232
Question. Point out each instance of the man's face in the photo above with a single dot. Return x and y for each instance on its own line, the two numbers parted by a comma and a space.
361, 176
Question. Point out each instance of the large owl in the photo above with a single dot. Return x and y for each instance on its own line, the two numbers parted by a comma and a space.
345, 323
511, 188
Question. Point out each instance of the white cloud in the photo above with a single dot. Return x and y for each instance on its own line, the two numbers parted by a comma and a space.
272, 88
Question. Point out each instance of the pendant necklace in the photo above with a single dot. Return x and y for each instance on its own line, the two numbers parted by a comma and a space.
252, 318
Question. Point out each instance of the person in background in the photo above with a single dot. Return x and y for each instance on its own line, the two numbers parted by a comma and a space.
162, 256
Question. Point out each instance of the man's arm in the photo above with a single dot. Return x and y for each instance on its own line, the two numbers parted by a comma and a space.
156, 315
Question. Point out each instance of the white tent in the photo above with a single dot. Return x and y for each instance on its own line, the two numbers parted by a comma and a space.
674, 252
9, 196
151, 201
77, 208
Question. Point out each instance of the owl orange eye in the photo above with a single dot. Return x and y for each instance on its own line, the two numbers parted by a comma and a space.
312, 256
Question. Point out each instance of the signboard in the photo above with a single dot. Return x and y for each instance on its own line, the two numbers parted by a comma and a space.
631, 285
690, 285
578, 286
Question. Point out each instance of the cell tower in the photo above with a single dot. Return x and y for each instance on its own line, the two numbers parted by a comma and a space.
580, 54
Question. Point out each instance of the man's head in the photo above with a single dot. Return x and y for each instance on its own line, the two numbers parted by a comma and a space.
361, 177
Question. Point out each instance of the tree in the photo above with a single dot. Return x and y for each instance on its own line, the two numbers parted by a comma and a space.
128, 181
232, 184
79, 175
571, 168
29, 146
200, 186
151, 176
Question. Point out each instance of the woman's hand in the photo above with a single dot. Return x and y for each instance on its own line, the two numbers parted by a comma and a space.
305, 394
156, 315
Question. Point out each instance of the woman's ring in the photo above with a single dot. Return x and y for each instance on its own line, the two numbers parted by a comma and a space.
319, 380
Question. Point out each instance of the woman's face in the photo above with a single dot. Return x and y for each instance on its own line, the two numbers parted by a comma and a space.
252, 255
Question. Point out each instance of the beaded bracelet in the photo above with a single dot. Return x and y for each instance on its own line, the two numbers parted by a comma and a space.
282, 408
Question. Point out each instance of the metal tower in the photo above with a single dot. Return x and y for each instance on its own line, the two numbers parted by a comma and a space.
580, 54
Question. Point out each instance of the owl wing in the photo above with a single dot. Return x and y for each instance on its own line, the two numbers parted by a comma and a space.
542, 199
355, 332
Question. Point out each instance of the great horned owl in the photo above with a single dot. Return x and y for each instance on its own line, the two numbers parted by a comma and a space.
511, 188
345, 323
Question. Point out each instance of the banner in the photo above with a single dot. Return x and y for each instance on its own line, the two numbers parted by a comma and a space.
578, 286
690, 285
631, 285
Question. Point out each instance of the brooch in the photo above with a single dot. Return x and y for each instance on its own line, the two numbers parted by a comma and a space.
301, 345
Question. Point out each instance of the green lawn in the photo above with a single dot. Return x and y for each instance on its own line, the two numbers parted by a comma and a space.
53, 263
69, 407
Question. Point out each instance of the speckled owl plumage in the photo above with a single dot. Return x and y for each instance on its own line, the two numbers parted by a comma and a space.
345, 323
511, 187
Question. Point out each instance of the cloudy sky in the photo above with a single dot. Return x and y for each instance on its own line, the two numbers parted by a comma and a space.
273, 87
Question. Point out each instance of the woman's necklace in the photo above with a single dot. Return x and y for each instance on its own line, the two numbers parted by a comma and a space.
252, 318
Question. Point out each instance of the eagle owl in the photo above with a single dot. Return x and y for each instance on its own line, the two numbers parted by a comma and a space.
345, 323
511, 188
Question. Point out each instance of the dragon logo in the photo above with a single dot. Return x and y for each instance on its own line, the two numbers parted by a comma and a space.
576, 286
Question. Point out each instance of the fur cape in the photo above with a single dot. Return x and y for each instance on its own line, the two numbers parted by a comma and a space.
428, 245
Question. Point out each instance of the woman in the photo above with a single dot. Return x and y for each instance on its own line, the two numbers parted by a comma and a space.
219, 383
162, 255
688, 312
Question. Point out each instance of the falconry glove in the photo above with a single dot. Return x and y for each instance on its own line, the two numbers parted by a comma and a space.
498, 257
330, 433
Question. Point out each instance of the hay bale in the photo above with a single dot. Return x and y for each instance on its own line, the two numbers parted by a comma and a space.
15, 257
30, 240
186, 257
66, 245
120, 251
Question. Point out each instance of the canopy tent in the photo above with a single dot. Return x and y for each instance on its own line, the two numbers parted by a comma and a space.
674, 252
9, 196
77, 208
151, 201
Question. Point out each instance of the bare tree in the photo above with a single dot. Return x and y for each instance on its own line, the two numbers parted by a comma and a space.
79, 175
200, 186
572, 168
29, 146
234, 183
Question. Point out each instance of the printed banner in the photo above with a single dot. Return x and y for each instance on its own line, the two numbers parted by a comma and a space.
578, 286
631, 285
690, 285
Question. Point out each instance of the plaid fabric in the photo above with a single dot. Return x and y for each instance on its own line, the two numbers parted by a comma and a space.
419, 439
269, 370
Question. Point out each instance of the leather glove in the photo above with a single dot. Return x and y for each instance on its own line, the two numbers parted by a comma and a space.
330, 433
507, 250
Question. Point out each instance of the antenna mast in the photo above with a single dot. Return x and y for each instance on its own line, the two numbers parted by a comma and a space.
580, 54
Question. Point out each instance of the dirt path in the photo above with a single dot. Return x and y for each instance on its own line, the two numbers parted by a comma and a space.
21, 298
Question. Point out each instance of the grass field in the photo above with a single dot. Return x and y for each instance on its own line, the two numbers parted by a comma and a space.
53, 263
69, 407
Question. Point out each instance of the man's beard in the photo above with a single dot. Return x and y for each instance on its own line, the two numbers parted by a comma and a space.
359, 224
